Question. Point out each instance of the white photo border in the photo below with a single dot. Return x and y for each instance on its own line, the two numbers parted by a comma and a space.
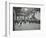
10, 31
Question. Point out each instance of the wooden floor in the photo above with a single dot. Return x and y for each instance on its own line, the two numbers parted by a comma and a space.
31, 26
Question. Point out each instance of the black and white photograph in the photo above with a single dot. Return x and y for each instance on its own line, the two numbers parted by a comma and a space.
25, 18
